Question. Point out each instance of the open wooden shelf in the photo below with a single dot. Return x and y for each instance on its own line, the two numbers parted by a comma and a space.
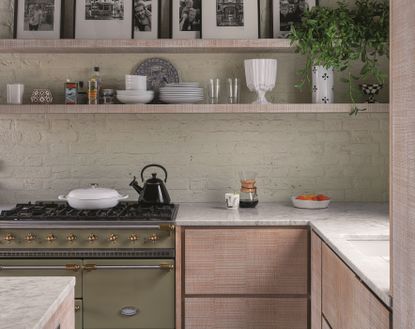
143, 46
188, 108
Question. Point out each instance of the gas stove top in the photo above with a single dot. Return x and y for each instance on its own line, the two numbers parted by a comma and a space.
61, 211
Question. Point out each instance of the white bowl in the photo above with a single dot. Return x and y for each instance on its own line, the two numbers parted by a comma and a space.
135, 92
310, 204
139, 99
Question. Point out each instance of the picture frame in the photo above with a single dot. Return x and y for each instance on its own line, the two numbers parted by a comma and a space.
287, 12
225, 19
37, 19
186, 19
112, 19
145, 19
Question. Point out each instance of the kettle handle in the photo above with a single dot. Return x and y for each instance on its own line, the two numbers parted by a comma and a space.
154, 165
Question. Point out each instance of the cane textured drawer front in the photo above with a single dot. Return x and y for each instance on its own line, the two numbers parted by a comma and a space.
246, 261
246, 313
44, 267
346, 302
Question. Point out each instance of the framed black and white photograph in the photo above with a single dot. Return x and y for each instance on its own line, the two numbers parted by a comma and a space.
146, 19
186, 19
230, 19
287, 13
103, 19
38, 19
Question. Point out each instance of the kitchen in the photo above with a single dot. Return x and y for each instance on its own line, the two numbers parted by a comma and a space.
189, 265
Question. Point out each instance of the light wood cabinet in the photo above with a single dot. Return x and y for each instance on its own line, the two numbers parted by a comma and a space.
346, 302
64, 317
246, 313
316, 318
242, 278
246, 261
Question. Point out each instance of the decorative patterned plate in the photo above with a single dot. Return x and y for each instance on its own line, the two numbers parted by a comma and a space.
159, 72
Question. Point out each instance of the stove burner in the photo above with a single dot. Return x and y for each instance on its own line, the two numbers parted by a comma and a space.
127, 210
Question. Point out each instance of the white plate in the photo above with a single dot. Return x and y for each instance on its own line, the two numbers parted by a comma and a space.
180, 89
184, 101
143, 99
309, 204
183, 84
181, 94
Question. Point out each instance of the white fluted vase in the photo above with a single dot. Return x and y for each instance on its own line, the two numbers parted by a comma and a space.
261, 75
323, 84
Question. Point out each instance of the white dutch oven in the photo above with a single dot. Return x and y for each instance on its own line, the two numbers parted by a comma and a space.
93, 198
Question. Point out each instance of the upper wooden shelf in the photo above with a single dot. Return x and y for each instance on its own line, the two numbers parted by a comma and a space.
188, 108
143, 46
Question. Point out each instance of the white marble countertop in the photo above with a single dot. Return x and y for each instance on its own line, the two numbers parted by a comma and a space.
334, 225
29, 302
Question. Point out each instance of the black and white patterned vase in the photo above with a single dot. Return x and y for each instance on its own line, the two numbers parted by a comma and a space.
323, 84
41, 96
371, 90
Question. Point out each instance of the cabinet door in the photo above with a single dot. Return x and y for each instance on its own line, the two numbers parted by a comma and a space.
246, 261
44, 267
347, 303
315, 281
78, 314
128, 294
246, 313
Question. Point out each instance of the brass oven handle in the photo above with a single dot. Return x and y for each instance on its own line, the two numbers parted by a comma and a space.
163, 267
67, 267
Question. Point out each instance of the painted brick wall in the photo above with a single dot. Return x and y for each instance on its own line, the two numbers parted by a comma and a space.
345, 157
43, 156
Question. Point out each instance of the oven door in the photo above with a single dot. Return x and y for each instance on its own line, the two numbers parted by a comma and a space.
44, 267
128, 294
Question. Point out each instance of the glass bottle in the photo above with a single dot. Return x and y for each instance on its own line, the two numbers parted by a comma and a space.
94, 87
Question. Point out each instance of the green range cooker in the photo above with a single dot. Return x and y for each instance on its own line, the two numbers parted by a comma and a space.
122, 258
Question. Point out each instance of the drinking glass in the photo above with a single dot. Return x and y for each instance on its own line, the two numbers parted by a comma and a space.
213, 91
233, 91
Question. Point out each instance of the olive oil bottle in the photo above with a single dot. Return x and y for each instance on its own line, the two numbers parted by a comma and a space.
94, 87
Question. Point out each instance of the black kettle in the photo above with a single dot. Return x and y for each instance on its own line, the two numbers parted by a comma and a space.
154, 191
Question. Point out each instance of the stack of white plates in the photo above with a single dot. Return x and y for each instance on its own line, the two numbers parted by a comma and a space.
181, 93
135, 96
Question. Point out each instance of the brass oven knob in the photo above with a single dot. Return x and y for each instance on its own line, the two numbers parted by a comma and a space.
71, 237
113, 237
92, 238
133, 237
9, 237
51, 238
153, 237
29, 237
77, 308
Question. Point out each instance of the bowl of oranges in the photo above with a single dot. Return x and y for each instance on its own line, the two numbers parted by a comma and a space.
311, 201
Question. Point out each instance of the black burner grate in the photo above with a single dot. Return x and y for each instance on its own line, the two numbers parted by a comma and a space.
127, 210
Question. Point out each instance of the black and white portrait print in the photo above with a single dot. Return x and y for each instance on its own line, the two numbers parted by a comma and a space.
39, 15
229, 13
143, 15
291, 12
189, 15
104, 10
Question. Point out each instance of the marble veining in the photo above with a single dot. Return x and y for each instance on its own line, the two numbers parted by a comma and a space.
333, 225
29, 302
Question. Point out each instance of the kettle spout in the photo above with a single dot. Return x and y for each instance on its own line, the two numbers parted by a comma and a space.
135, 186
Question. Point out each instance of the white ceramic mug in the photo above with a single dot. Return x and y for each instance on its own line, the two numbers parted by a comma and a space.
232, 200
135, 82
15, 93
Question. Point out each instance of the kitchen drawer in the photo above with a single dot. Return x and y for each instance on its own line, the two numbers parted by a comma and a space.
246, 313
78, 314
115, 285
246, 261
43, 267
346, 302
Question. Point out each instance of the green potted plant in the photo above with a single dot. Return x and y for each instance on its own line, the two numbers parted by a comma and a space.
337, 38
